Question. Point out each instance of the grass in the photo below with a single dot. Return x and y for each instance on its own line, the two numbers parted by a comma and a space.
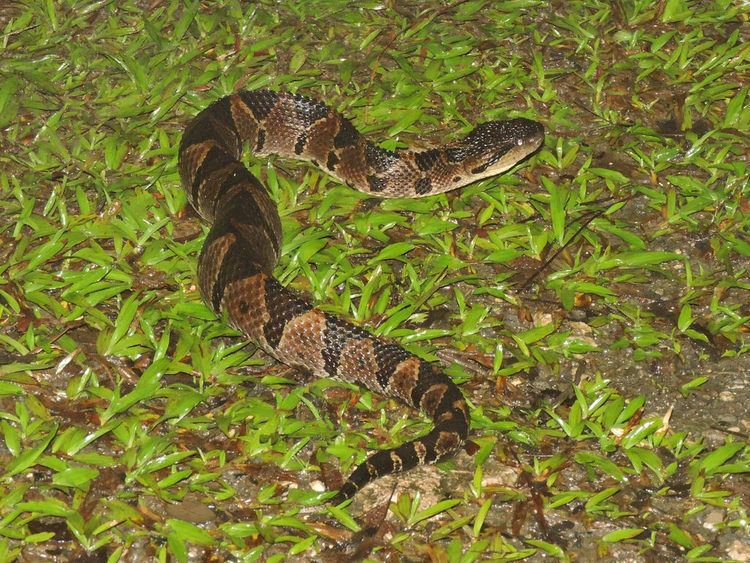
592, 304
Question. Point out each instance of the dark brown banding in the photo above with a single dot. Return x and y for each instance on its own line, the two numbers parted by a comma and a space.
216, 159
388, 356
432, 398
347, 134
221, 124
456, 154
425, 379
244, 121
332, 161
409, 456
299, 146
209, 262
301, 343
234, 266
252, 292
205, 128
376, 184
191, 160
260, 102
404, 380
239, 203
308, 111
337, 333
261, 140
423, 186
282, 306
447, 442
427, 159
380, 160
238, 176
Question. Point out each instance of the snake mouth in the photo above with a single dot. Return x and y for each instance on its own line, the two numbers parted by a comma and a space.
496, 158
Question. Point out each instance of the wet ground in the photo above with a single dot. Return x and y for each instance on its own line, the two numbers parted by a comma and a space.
648, 130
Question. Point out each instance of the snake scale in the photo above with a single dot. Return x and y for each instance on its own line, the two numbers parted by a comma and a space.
235, 267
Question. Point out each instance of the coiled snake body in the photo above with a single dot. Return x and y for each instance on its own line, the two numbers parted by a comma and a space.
236, 264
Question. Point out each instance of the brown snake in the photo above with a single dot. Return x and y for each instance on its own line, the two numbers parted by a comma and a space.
235, 268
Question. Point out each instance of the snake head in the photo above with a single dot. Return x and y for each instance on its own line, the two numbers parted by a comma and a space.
495, 146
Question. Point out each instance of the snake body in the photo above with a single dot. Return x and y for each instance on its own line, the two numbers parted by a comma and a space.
235, 268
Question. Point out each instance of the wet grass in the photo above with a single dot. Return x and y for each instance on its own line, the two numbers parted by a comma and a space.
592, 304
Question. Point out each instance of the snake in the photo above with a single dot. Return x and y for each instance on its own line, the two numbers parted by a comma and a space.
243, 244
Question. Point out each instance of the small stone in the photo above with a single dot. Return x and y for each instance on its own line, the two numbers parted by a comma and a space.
713, 518
739, 551
317, 486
